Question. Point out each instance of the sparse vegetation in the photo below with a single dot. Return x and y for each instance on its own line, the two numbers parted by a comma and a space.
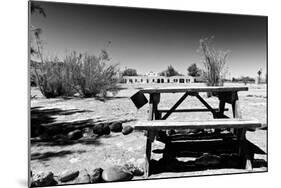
129, 72
53, 78
86, 75
94, 76
214, 62
244, 79
169, 72
193, 70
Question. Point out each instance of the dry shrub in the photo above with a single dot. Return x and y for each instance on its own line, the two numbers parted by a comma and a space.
94, 76
53, 78
214, 62
87, 75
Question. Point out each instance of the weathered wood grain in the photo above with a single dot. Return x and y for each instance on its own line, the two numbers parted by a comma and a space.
209, 124
192, 110
194, 89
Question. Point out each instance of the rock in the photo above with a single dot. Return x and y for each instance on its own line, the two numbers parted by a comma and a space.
75, 135
87, 132
134, 170
68, 175
43, 179
127, 130
101, 129
116, 127
116, 173
98, 129
106, 129
95, 175
208, 160
83, 177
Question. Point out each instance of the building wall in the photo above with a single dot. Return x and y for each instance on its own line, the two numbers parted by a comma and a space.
157, 79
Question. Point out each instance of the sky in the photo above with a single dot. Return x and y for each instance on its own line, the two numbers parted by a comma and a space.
151, 39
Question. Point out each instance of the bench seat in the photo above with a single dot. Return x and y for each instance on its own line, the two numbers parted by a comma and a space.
198, 124
154, 127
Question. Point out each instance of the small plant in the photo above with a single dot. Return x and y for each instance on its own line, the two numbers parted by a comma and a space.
214, 62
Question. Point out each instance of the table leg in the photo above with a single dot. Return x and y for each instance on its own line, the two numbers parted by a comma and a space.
149, 140
244, 150
236, 109
236, 113
221, 112
154, 99
153, 113
221, 108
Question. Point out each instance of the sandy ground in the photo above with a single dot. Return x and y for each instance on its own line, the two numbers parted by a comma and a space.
93, 152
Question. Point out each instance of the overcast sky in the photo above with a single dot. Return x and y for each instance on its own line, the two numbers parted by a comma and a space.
150, 40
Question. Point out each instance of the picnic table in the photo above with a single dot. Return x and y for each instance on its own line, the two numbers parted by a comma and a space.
157, 118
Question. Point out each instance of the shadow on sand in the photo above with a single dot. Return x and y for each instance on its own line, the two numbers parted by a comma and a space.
48, 155
66, 142
46, 132
227, 152
41, 116
43, 121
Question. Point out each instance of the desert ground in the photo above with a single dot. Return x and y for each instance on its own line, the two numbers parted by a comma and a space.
90, 151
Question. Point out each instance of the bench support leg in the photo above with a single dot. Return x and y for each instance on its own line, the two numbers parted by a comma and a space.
244, 150
149, 140
236, 113
220, 113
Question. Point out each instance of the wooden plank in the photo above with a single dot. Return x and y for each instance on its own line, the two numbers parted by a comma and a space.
208, 124
236, 110
220, 113
151, 108
154, 99
236, 113
221, 108
175, 106
194, 89
149, 140
244, 150
191, 110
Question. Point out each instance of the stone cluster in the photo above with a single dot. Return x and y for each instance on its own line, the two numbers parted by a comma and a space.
98, 175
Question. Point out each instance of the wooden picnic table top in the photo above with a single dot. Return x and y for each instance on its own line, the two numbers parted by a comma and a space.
194, 89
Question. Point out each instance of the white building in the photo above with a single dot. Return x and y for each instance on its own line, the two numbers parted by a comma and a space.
152, 78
